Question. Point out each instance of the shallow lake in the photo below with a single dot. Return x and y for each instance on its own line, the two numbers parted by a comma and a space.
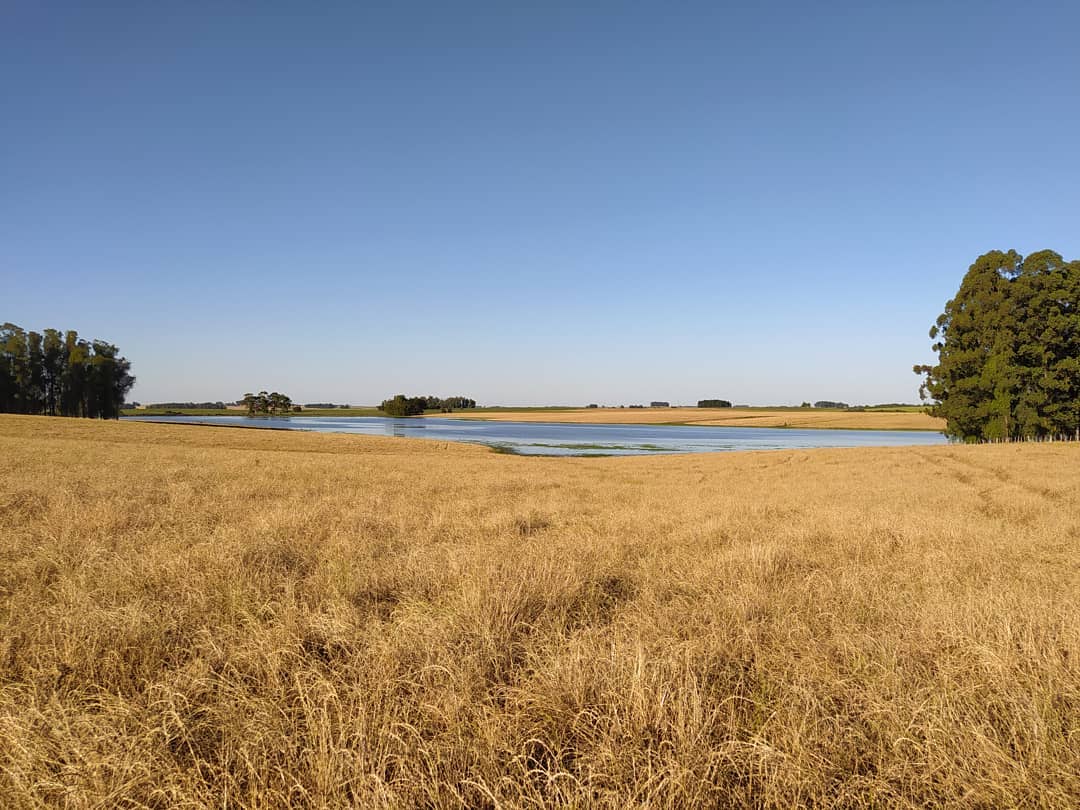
560, 439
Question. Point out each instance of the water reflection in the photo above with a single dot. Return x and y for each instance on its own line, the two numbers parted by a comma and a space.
560, 439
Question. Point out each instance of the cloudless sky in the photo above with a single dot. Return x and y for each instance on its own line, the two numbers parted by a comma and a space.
526, 203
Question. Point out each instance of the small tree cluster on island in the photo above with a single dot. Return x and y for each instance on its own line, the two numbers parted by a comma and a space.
1008, 347
402, 405
266, 404
714, 403
448, 404
60, 374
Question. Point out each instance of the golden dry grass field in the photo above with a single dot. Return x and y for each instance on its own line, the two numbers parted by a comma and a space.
725, 417
196, 617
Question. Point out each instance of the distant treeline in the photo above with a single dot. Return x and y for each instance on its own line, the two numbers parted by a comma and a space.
449, 403
325, 406
713, 403
402, 405
60, 374
843, 406
190, 405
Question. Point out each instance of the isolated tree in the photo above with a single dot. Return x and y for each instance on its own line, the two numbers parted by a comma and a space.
279, 403
267, 403
1008, 349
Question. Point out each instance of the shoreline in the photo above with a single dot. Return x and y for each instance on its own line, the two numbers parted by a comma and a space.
763, 418
586, 447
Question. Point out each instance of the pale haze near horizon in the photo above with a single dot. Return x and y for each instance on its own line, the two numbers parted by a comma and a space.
553, 206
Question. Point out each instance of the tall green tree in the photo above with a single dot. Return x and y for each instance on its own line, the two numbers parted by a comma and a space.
1008, 349
107, 381
17, 394
73, 377
36, 373
8, 385
53, 364
46, 373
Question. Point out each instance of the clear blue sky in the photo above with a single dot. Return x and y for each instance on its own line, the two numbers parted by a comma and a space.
570, 203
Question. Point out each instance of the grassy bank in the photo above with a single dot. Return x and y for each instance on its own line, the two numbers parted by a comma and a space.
198, 617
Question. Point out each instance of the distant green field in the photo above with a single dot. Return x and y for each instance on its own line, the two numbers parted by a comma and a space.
523, 409
370, 411
227, 412
178, 412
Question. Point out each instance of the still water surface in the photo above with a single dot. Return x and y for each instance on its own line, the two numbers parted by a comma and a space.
561, 439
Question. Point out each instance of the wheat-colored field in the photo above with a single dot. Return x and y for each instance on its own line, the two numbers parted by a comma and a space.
195, 617
724, 417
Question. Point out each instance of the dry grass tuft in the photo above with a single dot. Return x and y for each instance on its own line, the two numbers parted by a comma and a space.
195, 616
